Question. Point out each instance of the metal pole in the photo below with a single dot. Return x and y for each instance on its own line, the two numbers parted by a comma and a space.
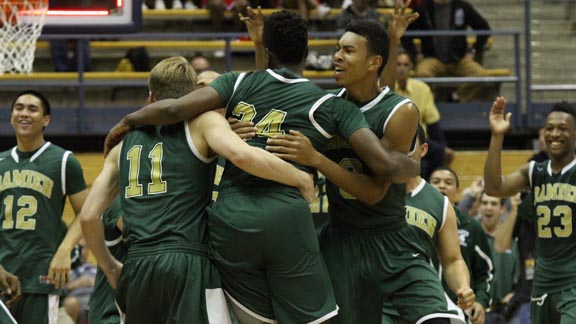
528, 59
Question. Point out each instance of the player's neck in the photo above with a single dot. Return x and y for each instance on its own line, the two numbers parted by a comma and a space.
361, 92
413, 183
29, 144
557, 164
296, 68
490, 230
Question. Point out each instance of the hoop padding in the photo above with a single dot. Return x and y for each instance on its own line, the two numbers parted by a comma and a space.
21, 23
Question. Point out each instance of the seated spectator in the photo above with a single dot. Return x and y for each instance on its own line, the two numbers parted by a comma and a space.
419, 92
448, 55
80, 286
357, 10
200, 63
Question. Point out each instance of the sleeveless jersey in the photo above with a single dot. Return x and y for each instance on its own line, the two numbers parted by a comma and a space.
165, 186
390, 211
278, 101
33, 189
102, 302
555, 209
426, 209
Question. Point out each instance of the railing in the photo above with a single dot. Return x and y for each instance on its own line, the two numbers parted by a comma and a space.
81, 120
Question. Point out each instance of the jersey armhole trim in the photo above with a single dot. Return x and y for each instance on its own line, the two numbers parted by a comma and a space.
316, 105
447, 205
530, 171
63, 170
193, 147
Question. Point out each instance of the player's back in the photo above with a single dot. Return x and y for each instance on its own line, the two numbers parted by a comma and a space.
390, 211
164, 185
277, 101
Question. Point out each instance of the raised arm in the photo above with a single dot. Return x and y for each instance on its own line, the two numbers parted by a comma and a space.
397, 25
224, 142
104, 190
453, 265
254, 21
165, 112
504, 234
297, 147
494, 183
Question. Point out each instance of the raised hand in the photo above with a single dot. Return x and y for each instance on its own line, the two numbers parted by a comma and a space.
499, 119
254, 22
399, 20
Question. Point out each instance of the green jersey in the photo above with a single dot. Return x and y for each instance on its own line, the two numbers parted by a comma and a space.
390, 211
426, 209
260, 97
33, 189
103, 308
555, 206
165, 186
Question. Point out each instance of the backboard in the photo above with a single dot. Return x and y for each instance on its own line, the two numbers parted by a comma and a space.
93, 16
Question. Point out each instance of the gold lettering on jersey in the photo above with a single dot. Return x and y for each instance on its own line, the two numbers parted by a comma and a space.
421, 219
29, 179
556, 192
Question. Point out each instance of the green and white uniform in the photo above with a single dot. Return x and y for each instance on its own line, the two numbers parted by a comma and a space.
103, 308
261, 232
165, 187
426, 209
554, 285
371, 252
33, 190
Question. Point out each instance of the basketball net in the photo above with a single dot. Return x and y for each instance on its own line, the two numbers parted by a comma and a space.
21, 23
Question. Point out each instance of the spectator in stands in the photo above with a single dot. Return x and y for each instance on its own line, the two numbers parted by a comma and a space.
506, 264
200, 63
446, 54
419, 92
357, 10
81, 284
219, 7
63, 62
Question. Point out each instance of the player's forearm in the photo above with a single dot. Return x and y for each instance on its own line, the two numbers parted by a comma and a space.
493, 166
388, 76
265, 165
73, 236
158, 113
503, 238
93, 230
358, 185
456, 274
260, 56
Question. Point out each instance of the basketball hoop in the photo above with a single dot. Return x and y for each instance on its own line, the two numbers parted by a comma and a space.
21, 23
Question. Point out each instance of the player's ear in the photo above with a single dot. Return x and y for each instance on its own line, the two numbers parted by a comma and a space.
375, 62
